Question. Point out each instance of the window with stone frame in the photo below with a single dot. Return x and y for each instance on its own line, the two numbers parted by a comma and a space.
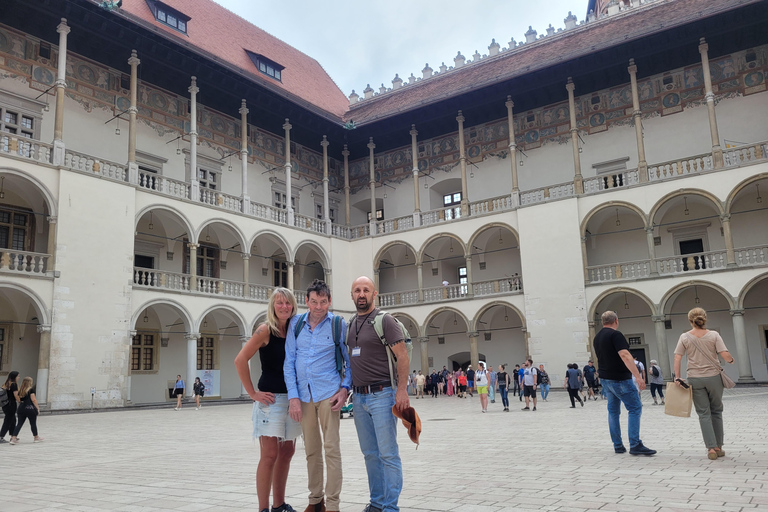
144, 352
16, 229
452, 204
19, 116
379, 214
319, 212
208, 179
280, 274
207, 260
279, 200
206, 353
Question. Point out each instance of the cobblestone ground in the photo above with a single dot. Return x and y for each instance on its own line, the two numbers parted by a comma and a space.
556, 458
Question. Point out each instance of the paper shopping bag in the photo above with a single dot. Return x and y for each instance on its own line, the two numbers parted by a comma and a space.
679, 401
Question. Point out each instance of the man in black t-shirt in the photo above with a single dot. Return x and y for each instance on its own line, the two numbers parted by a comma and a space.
590, 375
470, 379
617, 367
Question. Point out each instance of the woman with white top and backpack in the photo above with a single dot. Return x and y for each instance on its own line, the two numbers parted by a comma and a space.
482, 381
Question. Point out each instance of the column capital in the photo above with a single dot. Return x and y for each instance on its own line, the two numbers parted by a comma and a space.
726, 217
420, 265
658, 318
413, 131
192, 246
290, 263
324, 142
245, 256
468, 256
327, 271
193, 89
370, 144
345, 152
649, 230
63, 28
473, 334
132, 333
460, 117
423, 339
43, 328
134, 60
375, 271
287, 126
191, 336
632, 68
591, 323
509, 103
570, 86
51, 220
244, 339
243, 108
583, 239
737, 312
703, 46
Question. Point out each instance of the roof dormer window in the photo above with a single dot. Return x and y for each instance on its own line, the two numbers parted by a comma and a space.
268, 67
169, 16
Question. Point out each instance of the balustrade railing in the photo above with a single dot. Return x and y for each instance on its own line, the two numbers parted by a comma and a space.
228, 202
611, 181
494, 204
680, 167
751, 256
301, 297
309, 223
31, 149
161, 279
543, 194
615, 271
271, 213
260, 292
495, 286
24, 262
392, 225
86, 163
398, 298
449, 292
747, 153
163, 185
692, 262
360, 231
432, 217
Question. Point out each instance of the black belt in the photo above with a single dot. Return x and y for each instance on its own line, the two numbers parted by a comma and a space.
365, 390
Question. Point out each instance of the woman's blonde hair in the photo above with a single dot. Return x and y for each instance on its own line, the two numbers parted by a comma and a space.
272, 320
698, 317
26, 386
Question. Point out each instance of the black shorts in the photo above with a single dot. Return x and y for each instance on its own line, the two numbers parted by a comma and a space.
529, 391
178, 392
592, 384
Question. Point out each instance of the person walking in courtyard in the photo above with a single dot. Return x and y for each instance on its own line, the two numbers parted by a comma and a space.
617, 367
470, 380
318, 380
449, 382
503, 377
656, 378
199, 388
28, 410
272, 426
9, 410
703, 372
530, 382
572, 384
483, 380
434, 381
544, 382
493, 383
590, 376
421, 380
178, 391
520, 375
515, 378
462, 384
377, 392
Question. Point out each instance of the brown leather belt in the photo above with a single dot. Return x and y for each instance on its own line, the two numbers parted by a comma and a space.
365, 390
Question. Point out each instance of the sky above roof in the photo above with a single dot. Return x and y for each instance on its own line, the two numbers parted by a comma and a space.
360, 43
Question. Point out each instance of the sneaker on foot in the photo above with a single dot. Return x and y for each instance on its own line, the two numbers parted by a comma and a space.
283, 508
582, 403
2, 440
573, 407
641, 449
39, 439
534, 407
371, 508
175, 408
620, 449
526, 409
13, 441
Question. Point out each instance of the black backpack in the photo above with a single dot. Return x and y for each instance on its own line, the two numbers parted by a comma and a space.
538, 376
4, 397
655, 371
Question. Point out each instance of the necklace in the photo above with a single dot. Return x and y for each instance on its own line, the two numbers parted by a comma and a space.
358, 327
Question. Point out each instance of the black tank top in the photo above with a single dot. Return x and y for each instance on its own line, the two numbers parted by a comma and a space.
272, 357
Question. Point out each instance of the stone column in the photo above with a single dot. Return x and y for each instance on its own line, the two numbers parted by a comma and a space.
725, 220
470, 289
717, 152
642, 165
326, 206
590, 348
578, 180
474, 356
243, 392
584, 257
415, 171
512, 151
651, 250
290, 266
345, 153
424, 348
51, 244
661, 347
376, 278
43, 363
327, 277
192, 266
244, 154
133, 167
420, 277
463, 164
61, 84
288, 203
246, 272
742, 349
194, 184
189, 378
372, 184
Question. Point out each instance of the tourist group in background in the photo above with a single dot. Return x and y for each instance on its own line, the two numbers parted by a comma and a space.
19, 405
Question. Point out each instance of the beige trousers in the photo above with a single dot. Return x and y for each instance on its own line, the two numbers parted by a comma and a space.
317, 417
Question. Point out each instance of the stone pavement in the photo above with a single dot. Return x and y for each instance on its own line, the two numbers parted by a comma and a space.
556, 458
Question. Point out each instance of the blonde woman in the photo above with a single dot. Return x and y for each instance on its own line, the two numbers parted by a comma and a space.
28, 410
703, 372
272, 425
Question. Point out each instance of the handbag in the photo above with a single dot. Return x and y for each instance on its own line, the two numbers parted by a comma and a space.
728, 382
678, 401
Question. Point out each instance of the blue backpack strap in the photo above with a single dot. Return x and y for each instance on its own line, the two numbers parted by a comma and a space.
336, 330
300, 324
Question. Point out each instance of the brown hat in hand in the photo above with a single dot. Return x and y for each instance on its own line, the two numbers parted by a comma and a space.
411, 422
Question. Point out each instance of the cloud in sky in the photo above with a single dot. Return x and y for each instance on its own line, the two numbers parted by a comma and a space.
360, 43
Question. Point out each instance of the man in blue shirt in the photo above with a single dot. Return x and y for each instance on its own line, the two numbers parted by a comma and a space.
316, 393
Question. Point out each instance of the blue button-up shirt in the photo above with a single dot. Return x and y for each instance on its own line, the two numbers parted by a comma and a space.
310, 361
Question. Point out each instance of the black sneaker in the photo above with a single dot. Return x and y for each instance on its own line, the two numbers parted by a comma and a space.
371, 508
620, 450
526, 408
582, 403
641, 449
534, 407
573, 407
283, 508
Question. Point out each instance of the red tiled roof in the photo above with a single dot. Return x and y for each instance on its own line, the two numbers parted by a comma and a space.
573, 43
225, 35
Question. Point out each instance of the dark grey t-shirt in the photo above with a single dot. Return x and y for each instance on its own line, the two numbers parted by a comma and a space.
371, 366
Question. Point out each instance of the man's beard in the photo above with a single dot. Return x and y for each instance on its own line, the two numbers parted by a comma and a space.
362, 306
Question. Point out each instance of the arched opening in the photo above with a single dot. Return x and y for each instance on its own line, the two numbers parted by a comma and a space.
310, 265
159, 249
218, 260
446, 333
749, 208
754, 301
501, 335
413, 331
268, 265
616, 244
398, 275
496, 267
444, 270
221, 333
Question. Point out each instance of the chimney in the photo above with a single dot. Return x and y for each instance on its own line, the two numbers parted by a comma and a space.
353, 98
368, 92
493, 49
397, 82
426, 72
459, 60
570, 21
530, 36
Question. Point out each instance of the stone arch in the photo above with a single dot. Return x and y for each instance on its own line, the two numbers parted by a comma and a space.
492, 225
280, 241
174, 304
237, 317
218, 220
154, 207
318, 248
412, 320
260, 318
620, 289
612, 204
672, 293
420, 254
747, 287
741, 186
388, 246
445, 309
43, 314
490, 305
685, 192
49, 198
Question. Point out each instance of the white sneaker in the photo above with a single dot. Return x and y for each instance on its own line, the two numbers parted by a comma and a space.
197, 408
175, 408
